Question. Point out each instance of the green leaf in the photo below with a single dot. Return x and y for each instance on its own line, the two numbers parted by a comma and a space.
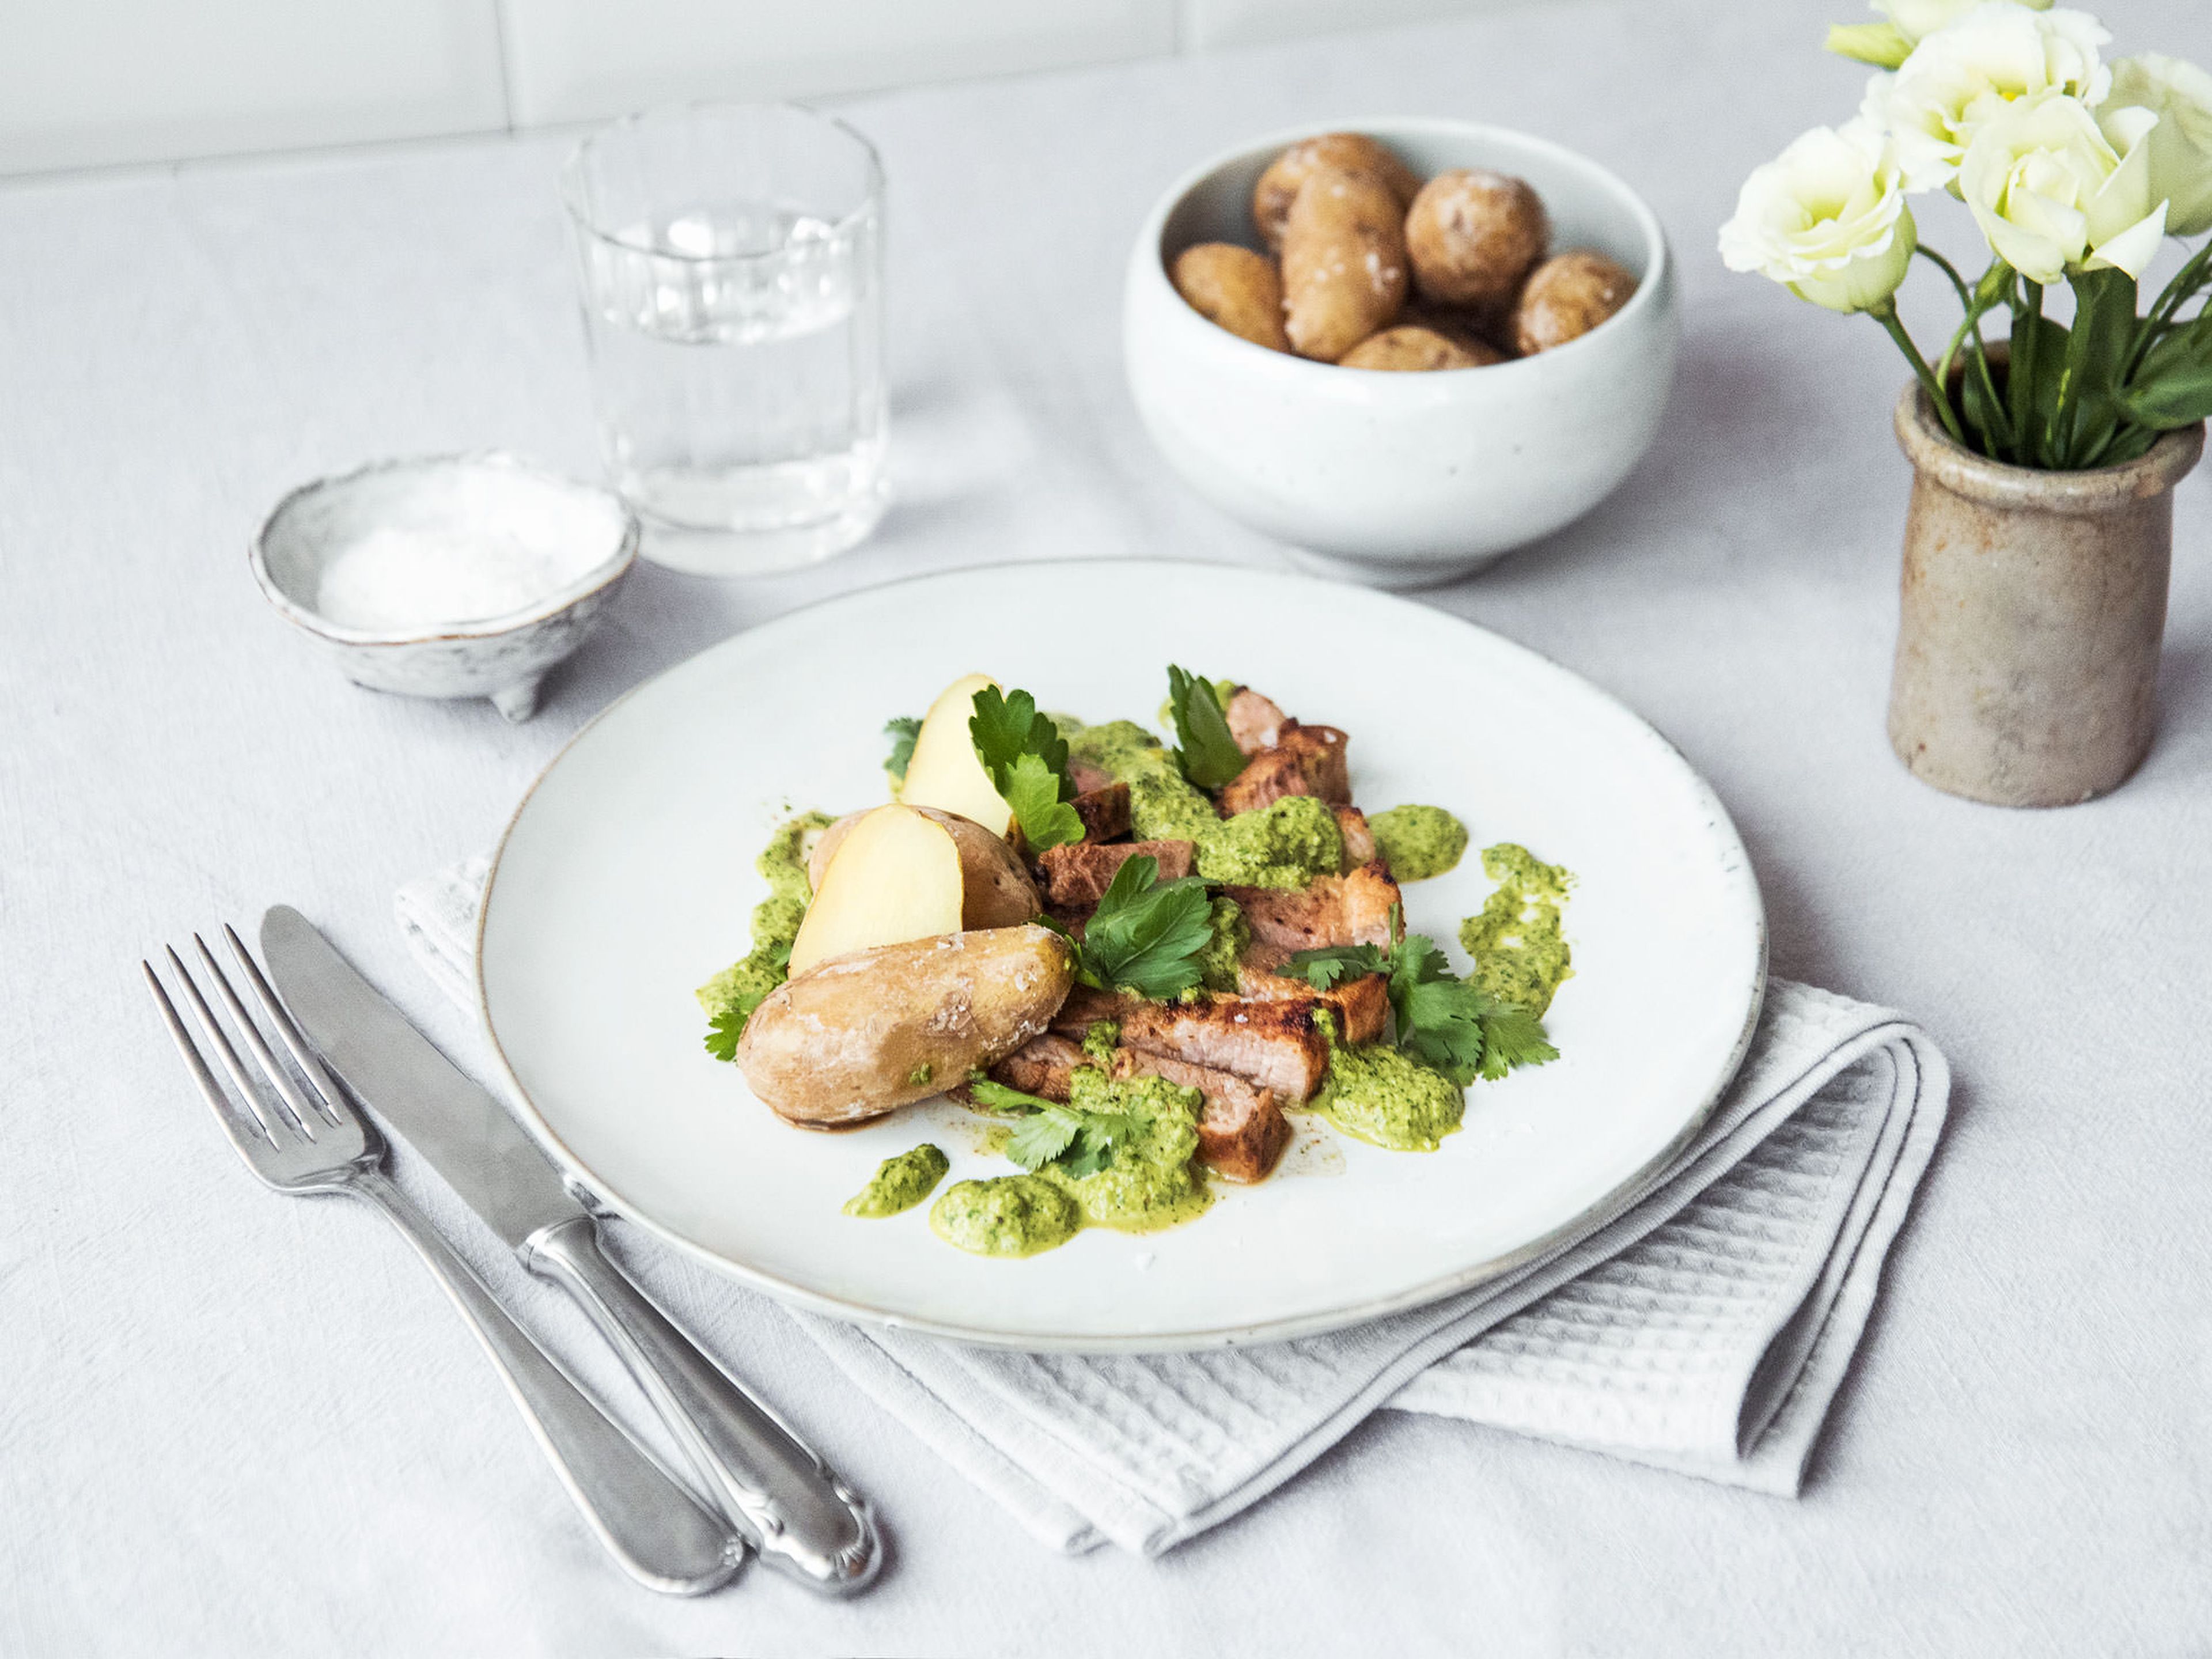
1882, 44
727, 1027
1209, 757
2096, 357
1032, 792
2039, 350
1329, 966
1512, 1037
2173, 385
902, 731
1147, 936
1440, 1025
1043, 1135
1081, 1143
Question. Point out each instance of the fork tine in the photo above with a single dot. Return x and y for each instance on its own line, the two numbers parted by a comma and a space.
271, 1120
280, 1019
210, 1089
304, 1115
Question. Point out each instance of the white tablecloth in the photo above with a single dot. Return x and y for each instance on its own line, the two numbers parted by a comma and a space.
200, 1451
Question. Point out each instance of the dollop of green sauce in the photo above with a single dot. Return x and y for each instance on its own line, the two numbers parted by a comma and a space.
782, 864
1100, 1041
1151, 1182
900, 1183
1285, 844
1418, 842
1008, 1215
1232, 937
1519, 955
1376, 1092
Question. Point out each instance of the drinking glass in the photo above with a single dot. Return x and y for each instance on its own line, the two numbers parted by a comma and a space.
729, 257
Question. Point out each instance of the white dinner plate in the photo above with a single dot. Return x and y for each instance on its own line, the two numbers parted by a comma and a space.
626, 878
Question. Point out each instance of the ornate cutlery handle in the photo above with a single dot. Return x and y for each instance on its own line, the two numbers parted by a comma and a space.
650, 1526
798, 1516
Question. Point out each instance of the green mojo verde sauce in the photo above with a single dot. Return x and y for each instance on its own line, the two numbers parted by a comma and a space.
900, 1183
782, 864
1519, 955
1378, 1093
1232, 936
1164, 805
1419, 841
1151, 1181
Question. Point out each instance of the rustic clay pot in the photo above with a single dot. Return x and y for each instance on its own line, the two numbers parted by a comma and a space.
2032, 610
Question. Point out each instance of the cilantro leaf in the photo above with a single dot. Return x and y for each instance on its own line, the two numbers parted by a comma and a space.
723, 1030
1146, 935
1440, 1023
1043, 1135
1209, 757
902, 731
1512, 1037
1027, 760
1331, 965
1032, 794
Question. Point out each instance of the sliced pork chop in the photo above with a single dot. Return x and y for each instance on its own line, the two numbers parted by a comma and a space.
1348, 910
1105, 813
1076, 877
1358, 839
1255, 721
1041, 1067
1310, 760
1362, 1005
1241, 1131
1275, 1045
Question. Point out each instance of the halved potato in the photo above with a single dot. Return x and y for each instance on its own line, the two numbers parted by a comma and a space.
862, 1035
895, 876
995, 889
943, 771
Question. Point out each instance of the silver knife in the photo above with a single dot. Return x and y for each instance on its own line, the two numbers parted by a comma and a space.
780, 1495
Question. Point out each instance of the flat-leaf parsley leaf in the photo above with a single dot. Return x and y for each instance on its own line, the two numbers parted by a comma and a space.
1209, 757
902, 731
1027, 760
1147, 935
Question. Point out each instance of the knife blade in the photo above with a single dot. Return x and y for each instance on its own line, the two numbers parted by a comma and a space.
801, 1518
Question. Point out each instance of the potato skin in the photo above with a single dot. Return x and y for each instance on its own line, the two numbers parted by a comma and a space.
1342, 152
1344, 263
858, 1036
1409, 348
996, 889
1236, 289
1472, 234
1566, 297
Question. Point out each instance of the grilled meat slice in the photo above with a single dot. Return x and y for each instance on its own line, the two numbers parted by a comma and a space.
1241, 1130
1275, 1045
1105, 813
1348, 910
1085, 1008
1254, 722
1358, 839
1088, 778
1041, 1067
1076, 877
1362, 1005
1309, 761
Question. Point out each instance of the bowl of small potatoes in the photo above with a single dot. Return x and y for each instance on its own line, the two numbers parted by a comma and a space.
1402, 347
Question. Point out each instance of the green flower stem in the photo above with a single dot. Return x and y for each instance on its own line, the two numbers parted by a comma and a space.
2019, 378
2159, 319
1885, 315
1966, 296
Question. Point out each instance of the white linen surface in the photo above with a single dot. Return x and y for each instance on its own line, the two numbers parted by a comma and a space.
1706, 1330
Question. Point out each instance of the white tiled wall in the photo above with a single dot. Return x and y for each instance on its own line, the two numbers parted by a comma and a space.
92, 83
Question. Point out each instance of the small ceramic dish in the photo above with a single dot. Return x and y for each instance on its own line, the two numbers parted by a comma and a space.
447, 576
1403, 479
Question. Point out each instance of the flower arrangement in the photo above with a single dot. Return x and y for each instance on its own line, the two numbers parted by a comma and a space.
2073, 168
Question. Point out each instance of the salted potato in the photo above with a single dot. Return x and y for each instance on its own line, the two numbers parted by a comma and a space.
1472, 235
1235, 288
1342, 152
1566, 297
1409, 348
894, 875
860, 1036
1344, 263
943, 771
996, 889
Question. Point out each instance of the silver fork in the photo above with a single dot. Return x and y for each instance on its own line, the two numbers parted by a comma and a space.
311, 1140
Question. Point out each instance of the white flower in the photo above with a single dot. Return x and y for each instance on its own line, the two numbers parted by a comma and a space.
2180, 95
1828, 217
1916, 19
2052, 190
1968, 71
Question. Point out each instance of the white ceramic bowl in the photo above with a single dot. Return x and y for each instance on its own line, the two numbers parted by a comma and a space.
447, 576
1396, 479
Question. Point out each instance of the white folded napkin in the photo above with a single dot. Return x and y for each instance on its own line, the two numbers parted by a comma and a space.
1705, 1331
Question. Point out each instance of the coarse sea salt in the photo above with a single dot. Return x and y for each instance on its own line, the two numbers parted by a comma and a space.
422, 577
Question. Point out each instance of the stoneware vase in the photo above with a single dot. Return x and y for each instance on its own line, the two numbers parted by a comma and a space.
2032, 609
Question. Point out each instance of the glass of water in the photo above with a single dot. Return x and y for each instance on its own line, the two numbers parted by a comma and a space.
731, 261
